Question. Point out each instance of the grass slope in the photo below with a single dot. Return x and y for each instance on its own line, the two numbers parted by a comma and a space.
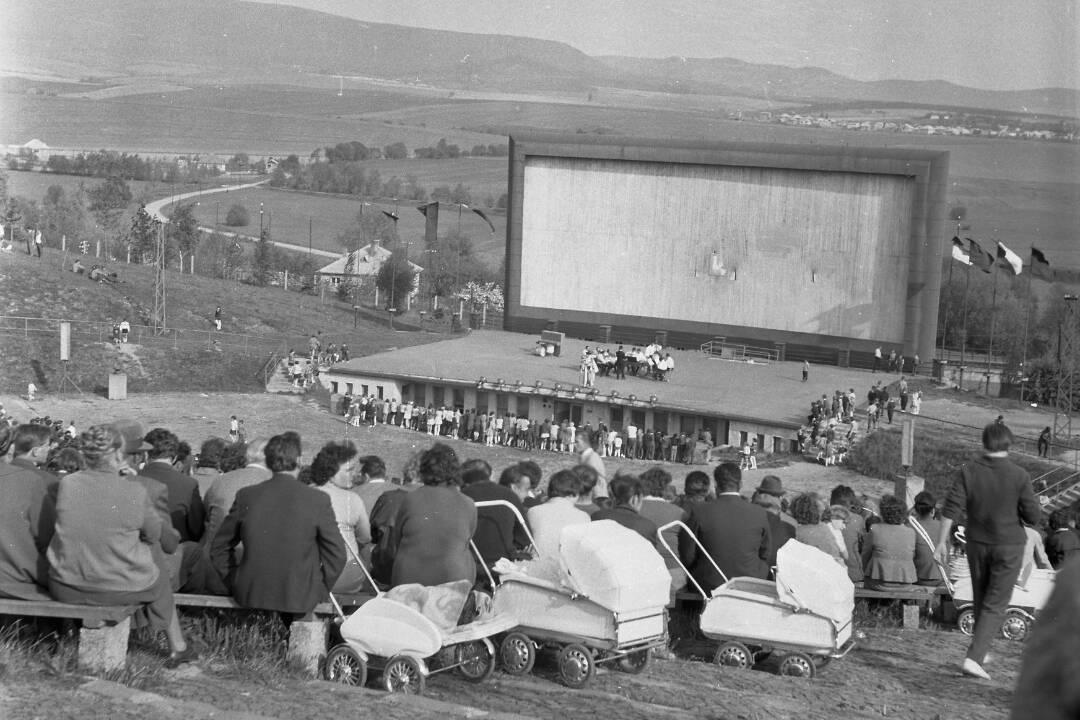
190, 356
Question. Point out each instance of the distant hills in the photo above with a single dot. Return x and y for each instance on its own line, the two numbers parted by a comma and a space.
231, 41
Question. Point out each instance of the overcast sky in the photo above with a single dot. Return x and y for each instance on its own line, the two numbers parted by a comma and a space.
994, 44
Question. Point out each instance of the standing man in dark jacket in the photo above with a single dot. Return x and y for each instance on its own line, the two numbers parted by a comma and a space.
293, 550
734, 532
996, 497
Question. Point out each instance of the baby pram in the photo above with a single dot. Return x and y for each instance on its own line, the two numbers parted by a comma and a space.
805, 615
604, 599
1028, 595
411, 632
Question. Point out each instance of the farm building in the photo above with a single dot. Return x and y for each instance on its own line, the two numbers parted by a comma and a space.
799, 251
361, 265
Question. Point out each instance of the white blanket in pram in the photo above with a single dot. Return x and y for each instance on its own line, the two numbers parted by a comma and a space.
809, 578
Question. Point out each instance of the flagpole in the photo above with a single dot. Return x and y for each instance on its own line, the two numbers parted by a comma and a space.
964, 330
993, 326
948, 308
1027, 322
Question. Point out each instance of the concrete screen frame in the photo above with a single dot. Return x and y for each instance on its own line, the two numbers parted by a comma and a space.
895, 222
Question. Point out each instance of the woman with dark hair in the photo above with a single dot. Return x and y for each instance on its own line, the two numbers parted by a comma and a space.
65, 460
996, 497
927, 527
807, 511
101, 553
333, 472
432, 528
208, 463
889, 551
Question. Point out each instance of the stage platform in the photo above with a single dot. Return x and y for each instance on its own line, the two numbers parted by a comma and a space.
763, 398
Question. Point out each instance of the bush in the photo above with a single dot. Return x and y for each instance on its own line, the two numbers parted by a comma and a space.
237, 216
937, 458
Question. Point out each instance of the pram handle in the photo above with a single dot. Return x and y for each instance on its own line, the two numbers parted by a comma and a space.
690, 578
933, 550
517, 514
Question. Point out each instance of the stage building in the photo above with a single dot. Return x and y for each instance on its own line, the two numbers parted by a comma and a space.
807, 251
501, 372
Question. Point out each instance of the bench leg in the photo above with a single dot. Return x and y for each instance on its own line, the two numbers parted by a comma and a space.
911, 615
307, 644
105, 648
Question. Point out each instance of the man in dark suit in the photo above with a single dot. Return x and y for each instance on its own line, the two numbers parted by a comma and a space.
185, 504
498, 532
293, 550
733, 531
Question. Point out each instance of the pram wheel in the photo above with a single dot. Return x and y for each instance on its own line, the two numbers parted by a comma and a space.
966, 621
734, 654
797, 665
517, 654
476, 661
1015, 626
403, 674
344, 665
576, 665
635, 662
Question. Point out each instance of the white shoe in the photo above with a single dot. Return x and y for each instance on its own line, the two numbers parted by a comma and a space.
974, 669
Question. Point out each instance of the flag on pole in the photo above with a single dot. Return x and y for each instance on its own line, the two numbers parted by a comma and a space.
1009, 258
959, 253
1040, 266
980, 258
486, 219
392, 216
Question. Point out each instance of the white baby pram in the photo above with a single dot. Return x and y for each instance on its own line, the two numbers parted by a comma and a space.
604, 599
1028, 595
410, 633
806, 615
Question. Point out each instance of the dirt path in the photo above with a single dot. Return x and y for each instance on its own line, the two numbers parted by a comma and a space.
892, 673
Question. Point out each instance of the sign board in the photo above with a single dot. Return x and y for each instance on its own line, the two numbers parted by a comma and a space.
907, 441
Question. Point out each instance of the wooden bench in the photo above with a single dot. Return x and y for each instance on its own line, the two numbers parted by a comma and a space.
913, 598
103, 631
307, 636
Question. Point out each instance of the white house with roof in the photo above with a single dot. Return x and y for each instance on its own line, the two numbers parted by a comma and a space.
361, 265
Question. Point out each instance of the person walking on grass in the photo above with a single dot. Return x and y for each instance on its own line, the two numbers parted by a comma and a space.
805, 370
996, 497
217, 318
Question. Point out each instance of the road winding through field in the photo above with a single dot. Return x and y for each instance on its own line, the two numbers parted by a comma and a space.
156, 211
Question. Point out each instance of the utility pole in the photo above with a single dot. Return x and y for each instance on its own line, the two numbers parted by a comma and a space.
1068, 346
159, 282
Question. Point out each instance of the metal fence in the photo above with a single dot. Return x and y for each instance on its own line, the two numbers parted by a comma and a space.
91, 331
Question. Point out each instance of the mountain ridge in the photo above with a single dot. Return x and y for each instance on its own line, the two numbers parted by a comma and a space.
226, 40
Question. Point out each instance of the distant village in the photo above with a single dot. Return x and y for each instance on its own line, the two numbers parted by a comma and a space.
934, 123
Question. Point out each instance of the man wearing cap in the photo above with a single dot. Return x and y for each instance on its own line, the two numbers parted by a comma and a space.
772, 486
732, 531
185, 504
27, 515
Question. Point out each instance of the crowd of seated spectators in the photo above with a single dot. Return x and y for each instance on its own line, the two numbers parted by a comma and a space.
118, 516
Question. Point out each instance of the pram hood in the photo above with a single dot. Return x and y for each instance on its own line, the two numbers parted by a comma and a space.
811, 579
613, 566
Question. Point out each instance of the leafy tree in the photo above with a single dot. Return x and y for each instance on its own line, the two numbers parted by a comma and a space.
183, 232
143, 235
395, 279
239, 161
237, 216
64, 215
3, 190
396, 151
262, 263
108, 201
460, 194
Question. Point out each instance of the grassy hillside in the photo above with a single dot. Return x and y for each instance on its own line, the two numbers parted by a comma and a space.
256, 321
